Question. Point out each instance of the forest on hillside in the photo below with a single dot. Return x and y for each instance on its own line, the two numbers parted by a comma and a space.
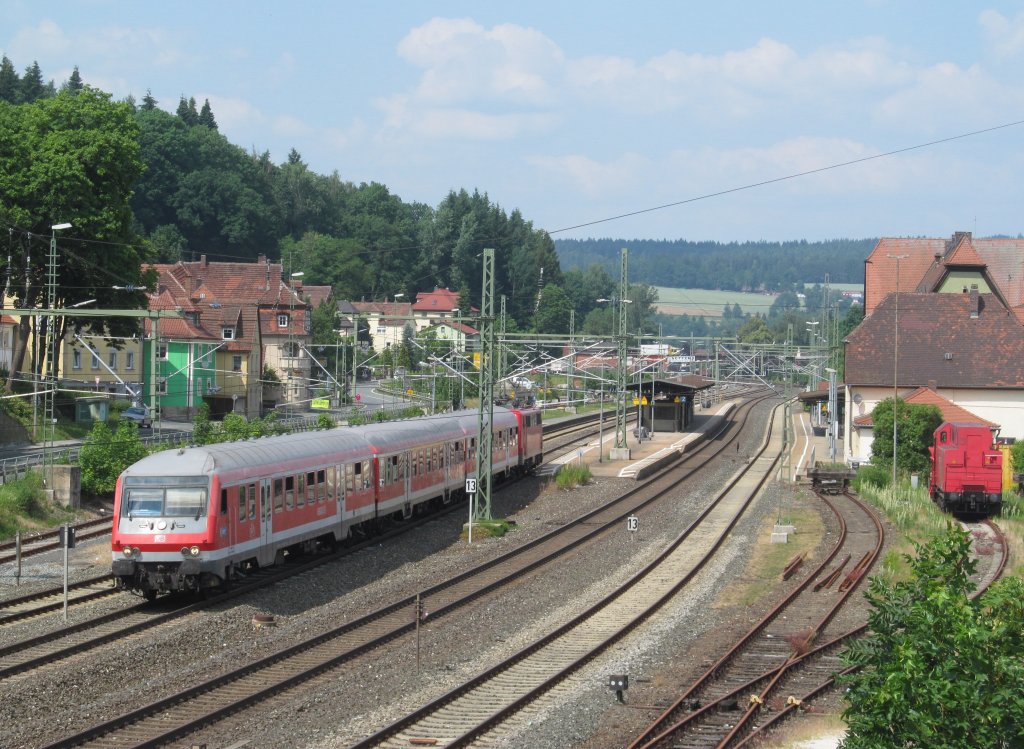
141, 184
732, 266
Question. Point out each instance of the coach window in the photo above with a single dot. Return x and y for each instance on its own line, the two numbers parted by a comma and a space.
223, 501
241, 504
252, 501
321, 486
332, 483
311, 487
300, 490
289, 492
350, 480
278, 495
367, 474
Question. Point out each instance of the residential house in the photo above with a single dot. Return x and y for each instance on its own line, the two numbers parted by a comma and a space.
954, 326
243, 322
387, 322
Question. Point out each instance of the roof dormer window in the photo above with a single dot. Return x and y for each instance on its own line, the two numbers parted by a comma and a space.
282, 321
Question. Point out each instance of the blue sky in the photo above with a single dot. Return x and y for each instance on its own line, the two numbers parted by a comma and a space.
577, 112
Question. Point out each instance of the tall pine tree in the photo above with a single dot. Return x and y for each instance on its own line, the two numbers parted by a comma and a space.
10, 84
206, 116
74, 82
32, 87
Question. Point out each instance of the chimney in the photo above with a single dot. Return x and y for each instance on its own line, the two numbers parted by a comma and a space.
202, 261
975, 301
262, 259
933, 385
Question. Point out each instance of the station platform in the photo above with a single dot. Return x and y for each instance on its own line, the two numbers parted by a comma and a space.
644, 455
808, 447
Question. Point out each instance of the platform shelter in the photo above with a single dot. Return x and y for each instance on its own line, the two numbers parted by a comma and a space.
666, 405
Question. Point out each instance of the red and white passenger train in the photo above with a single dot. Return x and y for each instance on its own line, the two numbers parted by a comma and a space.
188, 519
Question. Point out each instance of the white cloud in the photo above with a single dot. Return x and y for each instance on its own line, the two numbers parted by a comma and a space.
461, 60
1006, 35
780, 163
290, 126
233, 114
946, 98
594, 179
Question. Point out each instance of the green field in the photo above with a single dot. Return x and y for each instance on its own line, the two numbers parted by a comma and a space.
709, 303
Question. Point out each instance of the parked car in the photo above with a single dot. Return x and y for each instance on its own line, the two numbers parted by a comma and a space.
138, 414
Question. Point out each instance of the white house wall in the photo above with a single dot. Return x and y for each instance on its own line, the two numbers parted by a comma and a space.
1001, 407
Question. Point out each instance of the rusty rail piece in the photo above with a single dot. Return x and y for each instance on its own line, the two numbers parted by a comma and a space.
214, 699
472, 710
794, 564
796, 703
826, 582
688, 712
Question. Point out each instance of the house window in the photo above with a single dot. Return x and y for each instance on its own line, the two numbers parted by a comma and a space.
290, 348
161, 386
161, 351
209, 385
76, 359
112, 359
228, 334
129, 360
236, 363
192, 317
282, 321
95, 362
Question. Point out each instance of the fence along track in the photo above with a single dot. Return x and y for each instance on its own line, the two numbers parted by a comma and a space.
478, 707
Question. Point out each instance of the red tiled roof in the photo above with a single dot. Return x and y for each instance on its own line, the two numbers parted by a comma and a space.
880, 267
938, 340
438, 300
387, 309
928, 260
223, 294
926, 397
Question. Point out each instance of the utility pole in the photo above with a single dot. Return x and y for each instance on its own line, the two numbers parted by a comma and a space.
486, 413
621, 451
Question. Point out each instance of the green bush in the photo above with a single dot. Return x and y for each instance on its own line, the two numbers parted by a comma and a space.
573, 475
877, 475
23, 497
104, 455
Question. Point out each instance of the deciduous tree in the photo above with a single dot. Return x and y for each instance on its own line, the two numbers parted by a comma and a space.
938, 669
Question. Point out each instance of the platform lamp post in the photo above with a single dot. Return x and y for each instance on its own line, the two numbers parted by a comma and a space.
895, 360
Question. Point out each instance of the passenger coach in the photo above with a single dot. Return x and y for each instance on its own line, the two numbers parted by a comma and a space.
193, 518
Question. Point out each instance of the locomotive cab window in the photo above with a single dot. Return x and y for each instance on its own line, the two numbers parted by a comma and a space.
167, 496
943, 437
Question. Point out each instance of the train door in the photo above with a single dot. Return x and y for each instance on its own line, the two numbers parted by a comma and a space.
266, 553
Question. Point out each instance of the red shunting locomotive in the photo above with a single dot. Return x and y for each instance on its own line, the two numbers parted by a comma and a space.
967, 470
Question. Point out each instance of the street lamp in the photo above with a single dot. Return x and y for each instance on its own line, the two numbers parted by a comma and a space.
895, 361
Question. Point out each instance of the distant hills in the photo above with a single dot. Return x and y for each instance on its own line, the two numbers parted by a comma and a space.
734, 266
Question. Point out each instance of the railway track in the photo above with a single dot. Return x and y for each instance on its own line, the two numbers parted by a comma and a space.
773, 671
40, 543
49, 600
206, 703
724, 700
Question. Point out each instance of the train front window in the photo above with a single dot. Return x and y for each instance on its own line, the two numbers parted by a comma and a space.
144, 502
186, 501
165, 496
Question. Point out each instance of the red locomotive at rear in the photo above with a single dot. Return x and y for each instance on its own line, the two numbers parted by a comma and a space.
967, 470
